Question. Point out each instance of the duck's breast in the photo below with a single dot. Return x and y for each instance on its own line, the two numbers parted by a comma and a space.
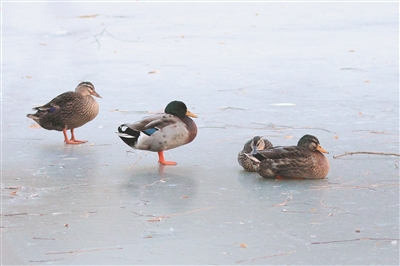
84, 110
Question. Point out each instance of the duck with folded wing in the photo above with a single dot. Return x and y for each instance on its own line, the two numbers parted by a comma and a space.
304, 161
161, 132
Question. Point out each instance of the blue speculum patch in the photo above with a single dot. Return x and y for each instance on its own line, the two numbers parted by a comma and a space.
150, 131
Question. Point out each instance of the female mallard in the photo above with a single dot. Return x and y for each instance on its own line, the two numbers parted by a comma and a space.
256, 143
304, 161
68, 111
161, 132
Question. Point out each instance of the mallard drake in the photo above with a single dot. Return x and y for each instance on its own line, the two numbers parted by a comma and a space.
161, 132
256, 143
304, 161
68, 111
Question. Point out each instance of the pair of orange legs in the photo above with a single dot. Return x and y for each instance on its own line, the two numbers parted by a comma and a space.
72, 140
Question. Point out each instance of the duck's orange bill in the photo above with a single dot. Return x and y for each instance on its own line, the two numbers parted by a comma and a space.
320, 149
188, 113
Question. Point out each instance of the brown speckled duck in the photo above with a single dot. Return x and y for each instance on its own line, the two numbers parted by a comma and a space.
304, 161
161, 132
68, 111
256, 143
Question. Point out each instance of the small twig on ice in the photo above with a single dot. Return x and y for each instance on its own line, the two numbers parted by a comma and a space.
181, 213
367, 152
45, 261
138, 213
77, 251
158, 181
376, 132
328, 207
316, 128
288, 198
356, 239
44, 238
99, 35
338, 210
265, 257
14, 214
137, 160
159, 218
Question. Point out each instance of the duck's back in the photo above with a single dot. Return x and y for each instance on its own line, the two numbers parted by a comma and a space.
294, 162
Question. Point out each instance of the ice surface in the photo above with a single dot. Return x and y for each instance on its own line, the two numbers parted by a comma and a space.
280, 70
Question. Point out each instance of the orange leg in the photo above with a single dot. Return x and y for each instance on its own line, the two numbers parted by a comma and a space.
73, 137
161, 159
72, 140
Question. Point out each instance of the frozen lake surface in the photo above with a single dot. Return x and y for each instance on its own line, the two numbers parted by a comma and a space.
280, 70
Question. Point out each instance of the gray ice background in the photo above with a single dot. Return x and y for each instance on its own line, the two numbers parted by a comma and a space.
280, 70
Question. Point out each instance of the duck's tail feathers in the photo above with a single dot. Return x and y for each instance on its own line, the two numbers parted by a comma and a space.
41, 111
34, 117
128, 135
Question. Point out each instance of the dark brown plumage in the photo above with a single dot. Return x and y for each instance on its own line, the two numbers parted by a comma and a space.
256, 143
304, 161
68, 111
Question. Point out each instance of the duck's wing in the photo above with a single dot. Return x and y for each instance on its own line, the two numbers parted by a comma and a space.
160, 121
280, 152
150, 124
287, 162
62, 101
155, 133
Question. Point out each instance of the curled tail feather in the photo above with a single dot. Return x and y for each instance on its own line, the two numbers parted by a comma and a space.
128, 135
